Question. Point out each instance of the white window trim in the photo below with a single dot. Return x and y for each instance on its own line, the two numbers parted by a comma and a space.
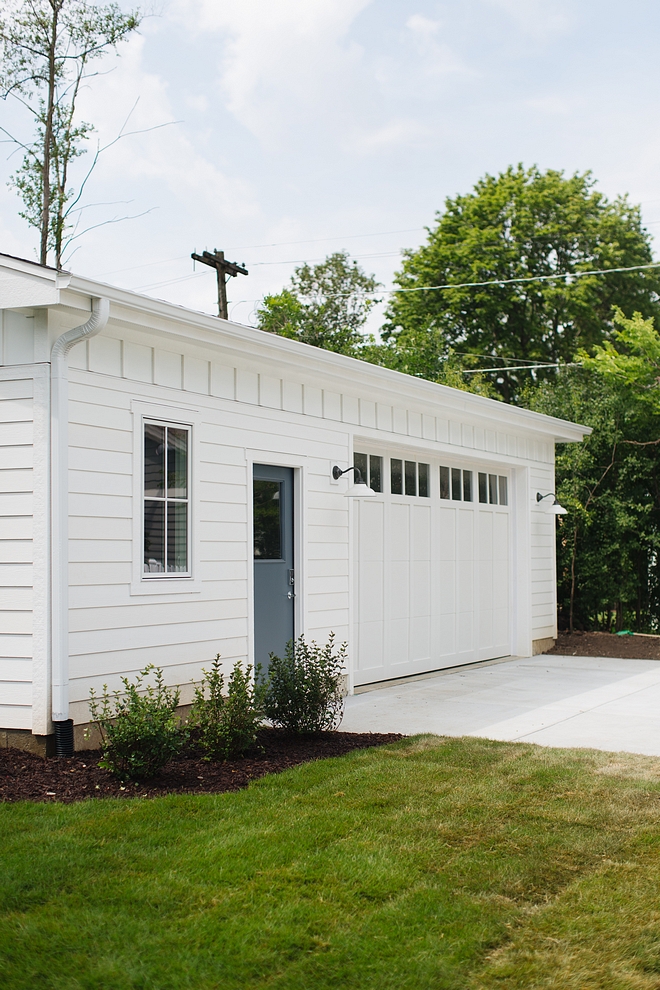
167, 585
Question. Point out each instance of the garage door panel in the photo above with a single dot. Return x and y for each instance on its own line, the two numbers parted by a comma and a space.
399, 586
399, 532
420, 639
445, 590
371, 529
398, 641
446, 529
370, 645
465, 623
371, 590
445, 626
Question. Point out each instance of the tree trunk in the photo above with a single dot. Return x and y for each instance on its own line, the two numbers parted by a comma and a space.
573, 557
48, 138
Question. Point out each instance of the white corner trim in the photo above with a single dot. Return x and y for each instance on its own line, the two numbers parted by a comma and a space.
164, 588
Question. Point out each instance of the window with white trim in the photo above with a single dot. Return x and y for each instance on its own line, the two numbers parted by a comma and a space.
166, 512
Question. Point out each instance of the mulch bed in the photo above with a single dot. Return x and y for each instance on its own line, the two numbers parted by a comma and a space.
602, 644
26, 777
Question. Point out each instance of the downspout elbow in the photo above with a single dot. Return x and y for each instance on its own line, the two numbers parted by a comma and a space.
60, 519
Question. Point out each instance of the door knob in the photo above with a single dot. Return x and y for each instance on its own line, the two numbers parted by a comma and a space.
290, 596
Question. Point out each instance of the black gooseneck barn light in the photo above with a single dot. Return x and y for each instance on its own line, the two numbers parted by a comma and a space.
359, 489
556, 509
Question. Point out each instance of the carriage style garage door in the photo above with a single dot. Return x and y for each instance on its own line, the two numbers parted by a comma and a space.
432, 567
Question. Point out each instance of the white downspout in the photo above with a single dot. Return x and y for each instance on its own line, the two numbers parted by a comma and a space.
59, 436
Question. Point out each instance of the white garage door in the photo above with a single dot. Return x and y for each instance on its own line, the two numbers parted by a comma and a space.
432, 568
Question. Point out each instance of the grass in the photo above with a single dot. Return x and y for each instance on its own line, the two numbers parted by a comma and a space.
433, 863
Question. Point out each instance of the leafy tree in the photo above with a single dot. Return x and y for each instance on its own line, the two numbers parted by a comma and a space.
326, 305
46, 50
520, 224
608, 543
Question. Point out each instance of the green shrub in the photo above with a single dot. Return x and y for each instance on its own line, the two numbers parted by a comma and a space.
227, 724
139, 731
304, 690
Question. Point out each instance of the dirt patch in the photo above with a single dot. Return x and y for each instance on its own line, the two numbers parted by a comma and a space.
602, 644
24, 776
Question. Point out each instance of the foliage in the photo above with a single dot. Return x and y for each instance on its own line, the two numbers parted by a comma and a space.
518, 225
431, 863
608, 543
139, 729
227, 724
326, 305
304, 688
46, 50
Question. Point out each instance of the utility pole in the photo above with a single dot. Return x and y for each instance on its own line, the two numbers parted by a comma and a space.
224, 270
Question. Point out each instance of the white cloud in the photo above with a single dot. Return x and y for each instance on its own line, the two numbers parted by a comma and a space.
538, 18
438, 58
281, 61
393, 134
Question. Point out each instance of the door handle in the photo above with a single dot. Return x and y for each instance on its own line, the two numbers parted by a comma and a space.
290, 596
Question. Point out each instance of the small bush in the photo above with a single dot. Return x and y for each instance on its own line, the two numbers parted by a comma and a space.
304, 690
139, 730
227, 724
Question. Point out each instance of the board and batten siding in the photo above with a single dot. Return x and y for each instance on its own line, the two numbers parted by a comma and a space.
240, 413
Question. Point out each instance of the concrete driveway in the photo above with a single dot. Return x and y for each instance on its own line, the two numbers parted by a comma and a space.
601, 703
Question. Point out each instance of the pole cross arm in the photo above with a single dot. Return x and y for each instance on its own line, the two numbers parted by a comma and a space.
224, 270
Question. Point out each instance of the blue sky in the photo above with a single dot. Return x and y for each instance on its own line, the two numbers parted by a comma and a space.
306, 126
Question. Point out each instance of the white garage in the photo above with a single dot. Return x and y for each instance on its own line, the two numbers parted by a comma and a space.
167, 493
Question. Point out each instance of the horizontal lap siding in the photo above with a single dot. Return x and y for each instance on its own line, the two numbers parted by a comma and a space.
16, 552
114, 634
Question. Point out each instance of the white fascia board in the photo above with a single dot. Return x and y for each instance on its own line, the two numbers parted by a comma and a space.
328, 370
26, 284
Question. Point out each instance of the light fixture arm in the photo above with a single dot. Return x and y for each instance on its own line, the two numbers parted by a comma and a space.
337, 473
539, 497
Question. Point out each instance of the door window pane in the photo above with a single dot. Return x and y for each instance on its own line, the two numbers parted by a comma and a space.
456, 483
360, 462
411, 478
154, 459
423, 471
267, 520
177, 537
504, 491
483, 487
177, 463
444, 482
154, 537
467, 486
375, 473
492, 489
396, 475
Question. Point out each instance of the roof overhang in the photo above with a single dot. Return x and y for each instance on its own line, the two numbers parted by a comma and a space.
26, 284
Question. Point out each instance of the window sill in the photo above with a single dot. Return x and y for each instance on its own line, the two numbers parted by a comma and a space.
166, 586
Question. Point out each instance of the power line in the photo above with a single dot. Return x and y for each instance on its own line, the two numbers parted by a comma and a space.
527, 278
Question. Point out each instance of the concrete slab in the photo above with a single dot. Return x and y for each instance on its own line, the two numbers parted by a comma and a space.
596, 702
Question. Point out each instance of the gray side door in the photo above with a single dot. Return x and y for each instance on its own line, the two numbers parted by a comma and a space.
272, 498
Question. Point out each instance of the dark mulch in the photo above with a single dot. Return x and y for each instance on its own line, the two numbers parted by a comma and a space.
602, 644
25, 777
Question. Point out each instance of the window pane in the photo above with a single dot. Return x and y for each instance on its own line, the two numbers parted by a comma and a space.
483, 487
411, 478
423, 470
375, 473
177, 537
396, 469
467, 486
456, 483
360, 462
504, 491
154, 537
154, 459
444, 482
177, 463
267, 520
492, 489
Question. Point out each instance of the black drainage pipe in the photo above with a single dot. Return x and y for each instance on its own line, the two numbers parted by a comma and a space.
64, 737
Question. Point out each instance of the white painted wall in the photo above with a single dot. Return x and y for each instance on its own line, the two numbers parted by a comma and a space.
435, 582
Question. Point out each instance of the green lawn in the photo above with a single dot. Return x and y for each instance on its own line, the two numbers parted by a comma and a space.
432, 863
